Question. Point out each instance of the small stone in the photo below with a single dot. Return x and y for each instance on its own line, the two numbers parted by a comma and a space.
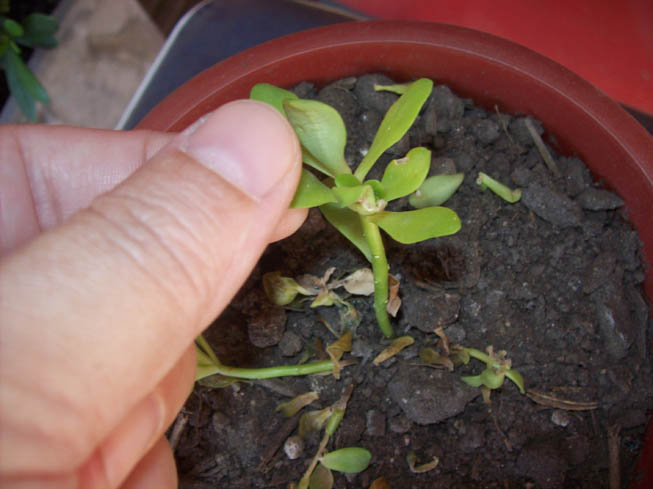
443, 166
430, 396
220, 421
443, 309
552, 206
293, 447
519, 131
375, 423
486, 130
599, 272
560, 418
399, 424
616, 326
378, 100
455, 333
594, 199
577, 176
446, 107
290, 344
521, 176
267, 328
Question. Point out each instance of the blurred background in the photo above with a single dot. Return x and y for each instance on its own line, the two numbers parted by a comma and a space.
115, 59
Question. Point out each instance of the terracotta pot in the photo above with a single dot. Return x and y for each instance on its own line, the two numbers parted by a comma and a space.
578, 119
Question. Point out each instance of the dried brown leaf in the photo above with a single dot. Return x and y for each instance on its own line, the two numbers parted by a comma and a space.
361, 282
444, 340
394, 301
380, 483
294, 405
337, 349
395, 347
419, 469
564, 404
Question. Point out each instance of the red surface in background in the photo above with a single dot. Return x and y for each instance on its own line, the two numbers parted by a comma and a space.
607, 42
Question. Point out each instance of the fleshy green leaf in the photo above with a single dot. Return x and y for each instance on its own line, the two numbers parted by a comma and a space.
492, 379
321, 131
396, 123
405, 175
348, 223
517, 378
23, 84
39, 31
275, 96
321, 478
486, 181
436, 190
13, 28
311, 192
363, 194
350, 460
414, 226
347, 180
473, 380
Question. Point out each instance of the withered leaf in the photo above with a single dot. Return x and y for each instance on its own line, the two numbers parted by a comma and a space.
294, 405
337, 349
394, 302
395, 347
411, 458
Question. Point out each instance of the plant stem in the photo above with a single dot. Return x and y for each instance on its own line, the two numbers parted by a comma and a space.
271, 372
380, 271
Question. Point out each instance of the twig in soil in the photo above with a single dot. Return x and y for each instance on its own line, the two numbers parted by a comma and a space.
503, 124
277, 441
496, 425
564, 404
178, 430
614, 441
546, 156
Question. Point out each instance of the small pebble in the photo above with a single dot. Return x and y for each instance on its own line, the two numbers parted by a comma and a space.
560, 418
293, 447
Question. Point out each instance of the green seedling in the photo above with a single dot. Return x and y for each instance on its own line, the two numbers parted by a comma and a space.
356, 206
486, 181
497, 369
35, 31
208, 364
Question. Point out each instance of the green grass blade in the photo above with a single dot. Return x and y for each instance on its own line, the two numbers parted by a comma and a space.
23, 84
39, 31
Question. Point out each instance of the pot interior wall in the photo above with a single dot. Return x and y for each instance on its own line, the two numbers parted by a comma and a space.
579, 119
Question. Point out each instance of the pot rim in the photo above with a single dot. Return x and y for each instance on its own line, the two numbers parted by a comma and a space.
585, 121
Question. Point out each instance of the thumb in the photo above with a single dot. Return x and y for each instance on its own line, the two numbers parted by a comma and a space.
124, 286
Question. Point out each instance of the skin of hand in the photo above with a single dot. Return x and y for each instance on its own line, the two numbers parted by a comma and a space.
118, 249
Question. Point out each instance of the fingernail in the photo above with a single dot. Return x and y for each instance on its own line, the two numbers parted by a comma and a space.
247, 143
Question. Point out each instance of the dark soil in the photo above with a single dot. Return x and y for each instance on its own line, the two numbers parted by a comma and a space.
555, 280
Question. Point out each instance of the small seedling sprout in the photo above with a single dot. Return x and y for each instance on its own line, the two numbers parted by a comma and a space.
498, 367
353, 205
486, 181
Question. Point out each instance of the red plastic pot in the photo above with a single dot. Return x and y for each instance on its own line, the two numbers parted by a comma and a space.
577, 117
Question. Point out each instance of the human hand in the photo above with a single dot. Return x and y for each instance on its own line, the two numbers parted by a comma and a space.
118, 249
